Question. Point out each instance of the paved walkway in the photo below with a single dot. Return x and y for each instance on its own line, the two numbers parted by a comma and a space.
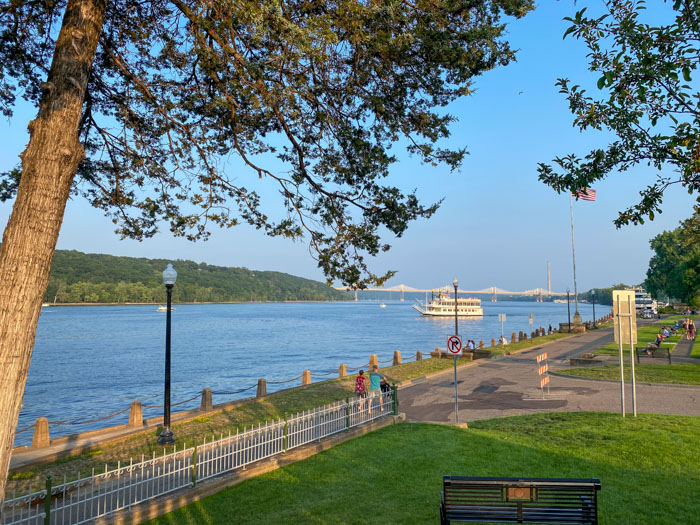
510, 386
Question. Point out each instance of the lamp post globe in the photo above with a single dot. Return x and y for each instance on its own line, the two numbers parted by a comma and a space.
169, 277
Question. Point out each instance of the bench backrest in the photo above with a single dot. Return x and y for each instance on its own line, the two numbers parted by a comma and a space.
521, 499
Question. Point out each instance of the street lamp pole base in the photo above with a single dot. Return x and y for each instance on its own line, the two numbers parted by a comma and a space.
166, 437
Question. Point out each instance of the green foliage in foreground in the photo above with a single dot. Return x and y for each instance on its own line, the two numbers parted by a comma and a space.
78, 277
394, 475
681, 374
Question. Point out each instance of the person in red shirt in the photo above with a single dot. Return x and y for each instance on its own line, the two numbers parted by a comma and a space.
360, 386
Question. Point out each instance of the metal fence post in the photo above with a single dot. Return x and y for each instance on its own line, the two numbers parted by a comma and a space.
395, 399
286, 423
347, 413
47, 502
194, 467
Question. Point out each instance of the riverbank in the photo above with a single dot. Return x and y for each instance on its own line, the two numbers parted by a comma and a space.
107, 449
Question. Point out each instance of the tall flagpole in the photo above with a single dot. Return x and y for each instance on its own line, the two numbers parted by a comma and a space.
573, 255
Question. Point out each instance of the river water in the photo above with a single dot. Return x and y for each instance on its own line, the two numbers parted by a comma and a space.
90, 361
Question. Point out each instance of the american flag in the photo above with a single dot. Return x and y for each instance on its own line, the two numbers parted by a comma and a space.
585, 194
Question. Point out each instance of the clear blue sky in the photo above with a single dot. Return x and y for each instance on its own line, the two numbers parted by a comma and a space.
498, 224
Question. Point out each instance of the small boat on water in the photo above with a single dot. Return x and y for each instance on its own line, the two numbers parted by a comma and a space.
382, 305
444, 306
165, 309
45, 305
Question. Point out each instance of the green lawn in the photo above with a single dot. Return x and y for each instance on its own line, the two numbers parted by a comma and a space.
645, 334
649, 468
680, 374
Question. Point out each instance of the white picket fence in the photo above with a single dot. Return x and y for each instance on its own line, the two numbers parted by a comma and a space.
87, 499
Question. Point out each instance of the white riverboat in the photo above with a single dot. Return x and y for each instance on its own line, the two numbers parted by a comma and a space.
644, 301
165, 309
444, 306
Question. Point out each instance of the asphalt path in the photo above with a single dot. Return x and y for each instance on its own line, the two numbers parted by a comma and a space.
510, 385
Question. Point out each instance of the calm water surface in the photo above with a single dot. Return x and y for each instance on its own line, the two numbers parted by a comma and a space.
94, 360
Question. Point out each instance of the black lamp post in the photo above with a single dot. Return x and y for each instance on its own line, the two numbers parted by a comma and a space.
568, 308
169, 276
593, 299
455, 283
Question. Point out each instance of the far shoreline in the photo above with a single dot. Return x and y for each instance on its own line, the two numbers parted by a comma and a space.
51, 305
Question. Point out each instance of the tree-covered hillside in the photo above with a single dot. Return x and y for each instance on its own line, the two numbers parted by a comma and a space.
78, 277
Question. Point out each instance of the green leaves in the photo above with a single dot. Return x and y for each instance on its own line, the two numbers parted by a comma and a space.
652, 113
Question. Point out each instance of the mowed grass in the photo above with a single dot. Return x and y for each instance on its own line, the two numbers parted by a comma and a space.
645, 334
649, 468
679, 374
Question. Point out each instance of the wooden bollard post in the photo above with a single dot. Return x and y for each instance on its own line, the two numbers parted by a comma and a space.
525, 336
41, 437
136, 414
481, 344
512, 338
262, 388
306, 377
419, 355
207, 400
520, 335
342, 371
397, 358
373, 361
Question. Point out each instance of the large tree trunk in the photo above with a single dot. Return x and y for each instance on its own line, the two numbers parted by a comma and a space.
49, 165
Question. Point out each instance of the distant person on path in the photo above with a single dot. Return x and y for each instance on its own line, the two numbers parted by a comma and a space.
691, 330
503, 340
665, 332
470, 344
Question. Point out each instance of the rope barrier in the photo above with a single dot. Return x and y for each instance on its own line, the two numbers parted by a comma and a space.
234, 392
89, 420
358, 367
173, 404
282, 382
325, 374
24, 429
387, 361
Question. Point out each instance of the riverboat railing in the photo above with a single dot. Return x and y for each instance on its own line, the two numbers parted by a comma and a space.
89, 498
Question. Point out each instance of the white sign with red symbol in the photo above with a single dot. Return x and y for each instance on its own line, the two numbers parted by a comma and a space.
454, 345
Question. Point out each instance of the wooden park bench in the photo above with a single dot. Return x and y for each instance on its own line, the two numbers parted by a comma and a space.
519, 500
650, 350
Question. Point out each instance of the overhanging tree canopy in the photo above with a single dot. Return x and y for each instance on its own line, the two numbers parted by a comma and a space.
144, 101
652, 103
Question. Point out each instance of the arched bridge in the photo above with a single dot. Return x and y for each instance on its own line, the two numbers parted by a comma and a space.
493, 291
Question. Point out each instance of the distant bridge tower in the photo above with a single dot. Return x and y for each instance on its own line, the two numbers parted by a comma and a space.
549, 280
402, 293
494, 297
355, 294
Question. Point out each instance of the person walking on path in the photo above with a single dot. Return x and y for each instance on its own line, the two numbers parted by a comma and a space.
375, 384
